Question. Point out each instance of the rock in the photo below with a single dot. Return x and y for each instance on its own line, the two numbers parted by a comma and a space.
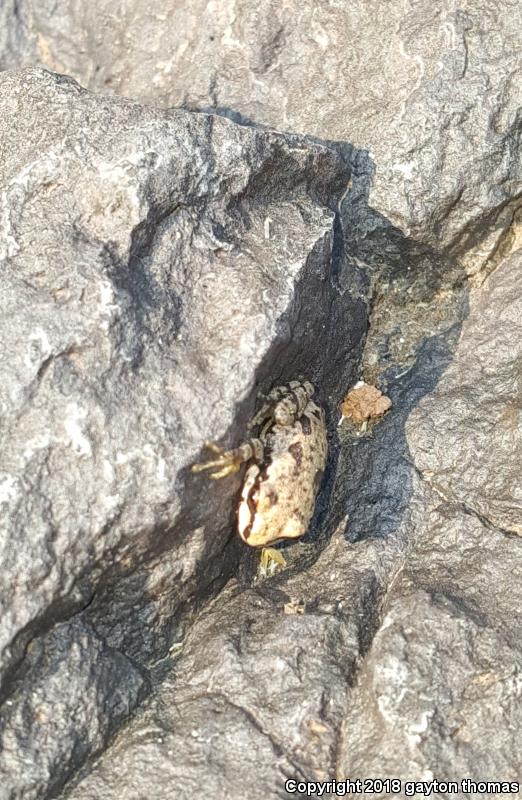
171, 749
257, 695
400, 665
158, 268
375, 472
14, 44
432, 92
437, 480
436, 695
475, 410
74, 694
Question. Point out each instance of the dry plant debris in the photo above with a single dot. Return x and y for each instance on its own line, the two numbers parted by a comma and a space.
364, 402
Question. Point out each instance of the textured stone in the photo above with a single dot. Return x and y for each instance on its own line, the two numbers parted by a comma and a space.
15, 47
258, 694
476, 409
157, 269
401, 664
74, 693
173, 747
436, 696
433, 91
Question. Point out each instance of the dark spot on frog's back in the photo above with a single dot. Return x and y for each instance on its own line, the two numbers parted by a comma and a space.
296, 451
306, 425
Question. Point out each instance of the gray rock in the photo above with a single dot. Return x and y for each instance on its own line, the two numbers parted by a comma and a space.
158, 268
15, 47
435, 697
174, 746
475, 410
405, 661
433, 92
74, 693
258, 693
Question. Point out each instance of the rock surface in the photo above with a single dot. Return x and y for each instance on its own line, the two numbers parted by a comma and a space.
161, 266
432, 91
157, 269
436, 695
476, 409
74, 694
259, 691
400, 661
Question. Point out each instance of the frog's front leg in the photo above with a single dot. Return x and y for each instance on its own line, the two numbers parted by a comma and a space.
230, 461
284, 404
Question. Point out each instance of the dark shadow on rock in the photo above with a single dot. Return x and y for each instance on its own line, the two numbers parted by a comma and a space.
374, 477
418, 299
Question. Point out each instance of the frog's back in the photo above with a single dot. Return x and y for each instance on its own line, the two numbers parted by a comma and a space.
278, 499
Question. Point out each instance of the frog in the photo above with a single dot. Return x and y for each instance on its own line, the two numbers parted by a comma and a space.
287, 461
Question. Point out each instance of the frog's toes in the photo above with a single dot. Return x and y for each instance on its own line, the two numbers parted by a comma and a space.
230, 461
221, 462
271, 561
229, 469
227, 463
214, 447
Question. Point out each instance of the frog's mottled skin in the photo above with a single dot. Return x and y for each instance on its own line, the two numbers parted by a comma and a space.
279, 490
